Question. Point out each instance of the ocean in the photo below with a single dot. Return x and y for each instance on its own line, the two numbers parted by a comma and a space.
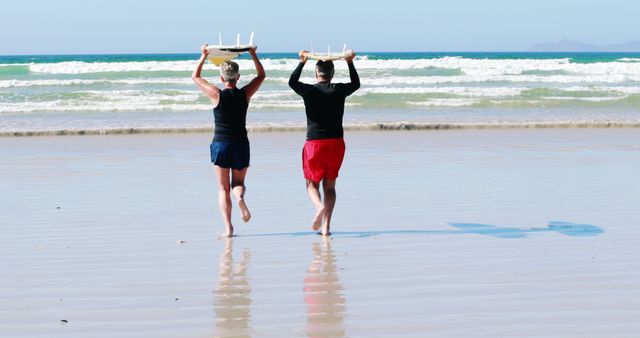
75, 94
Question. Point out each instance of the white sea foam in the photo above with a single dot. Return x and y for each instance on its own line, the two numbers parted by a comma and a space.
473, 67
141, 100
629, 60
444, 102
561, 79
109, 86
462, 91
193, 100
405, 84
65, 106
374, 81
79, 67
588, 99
496, 91
75, 82
459, 79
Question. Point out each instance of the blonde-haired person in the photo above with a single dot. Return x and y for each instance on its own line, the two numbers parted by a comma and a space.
230, 146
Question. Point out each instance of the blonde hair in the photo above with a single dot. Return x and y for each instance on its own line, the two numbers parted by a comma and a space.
229, 71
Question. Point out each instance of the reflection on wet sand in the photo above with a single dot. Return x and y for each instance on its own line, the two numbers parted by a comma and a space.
323, 294
232, 295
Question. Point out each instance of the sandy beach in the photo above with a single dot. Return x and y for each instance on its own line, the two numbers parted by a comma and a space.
457, 233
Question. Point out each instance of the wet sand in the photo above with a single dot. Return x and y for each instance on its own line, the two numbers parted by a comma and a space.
458, 233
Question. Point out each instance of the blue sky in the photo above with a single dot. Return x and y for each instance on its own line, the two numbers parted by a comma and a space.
144, 26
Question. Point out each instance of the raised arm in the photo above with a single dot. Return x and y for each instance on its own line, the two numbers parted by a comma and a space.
252, 87
212, 92
294, 80
353, 75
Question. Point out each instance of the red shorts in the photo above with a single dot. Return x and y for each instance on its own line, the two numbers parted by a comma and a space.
322, 158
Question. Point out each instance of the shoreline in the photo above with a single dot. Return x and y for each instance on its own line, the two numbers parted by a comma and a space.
392, 126
483, 233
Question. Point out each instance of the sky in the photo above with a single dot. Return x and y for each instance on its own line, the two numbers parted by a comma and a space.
145, 26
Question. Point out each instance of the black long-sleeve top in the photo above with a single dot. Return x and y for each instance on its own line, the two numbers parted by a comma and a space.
324, 103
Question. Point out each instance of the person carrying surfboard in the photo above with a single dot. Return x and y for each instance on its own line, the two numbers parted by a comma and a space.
230, 145
324, 148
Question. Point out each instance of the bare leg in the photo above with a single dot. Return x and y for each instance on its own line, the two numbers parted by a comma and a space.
237, 185
329, 188
313, 189
224, 198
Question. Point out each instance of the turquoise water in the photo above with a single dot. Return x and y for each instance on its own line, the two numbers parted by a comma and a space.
102, 92
575, 57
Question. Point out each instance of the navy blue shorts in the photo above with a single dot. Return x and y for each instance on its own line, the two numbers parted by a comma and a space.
230, 154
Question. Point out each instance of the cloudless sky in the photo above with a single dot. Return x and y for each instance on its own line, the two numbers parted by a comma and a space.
145, 26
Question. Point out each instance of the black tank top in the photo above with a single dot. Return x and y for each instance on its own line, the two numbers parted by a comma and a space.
230, 116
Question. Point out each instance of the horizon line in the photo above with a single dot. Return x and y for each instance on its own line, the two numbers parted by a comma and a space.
359, 52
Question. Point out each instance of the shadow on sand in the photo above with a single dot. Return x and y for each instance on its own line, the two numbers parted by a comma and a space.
565, 228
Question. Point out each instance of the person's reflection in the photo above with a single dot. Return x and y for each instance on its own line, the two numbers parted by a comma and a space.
233, 294
323, 294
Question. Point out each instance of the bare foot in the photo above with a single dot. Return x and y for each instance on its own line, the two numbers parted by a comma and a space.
227, 234
317, 220
325, 228
246, 215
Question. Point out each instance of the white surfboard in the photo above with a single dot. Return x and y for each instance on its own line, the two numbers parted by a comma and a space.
221, 53
328, 56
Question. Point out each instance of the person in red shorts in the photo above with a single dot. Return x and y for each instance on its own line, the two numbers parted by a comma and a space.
324, 149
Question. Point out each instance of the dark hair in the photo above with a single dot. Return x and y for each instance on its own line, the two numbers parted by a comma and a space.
325, 69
